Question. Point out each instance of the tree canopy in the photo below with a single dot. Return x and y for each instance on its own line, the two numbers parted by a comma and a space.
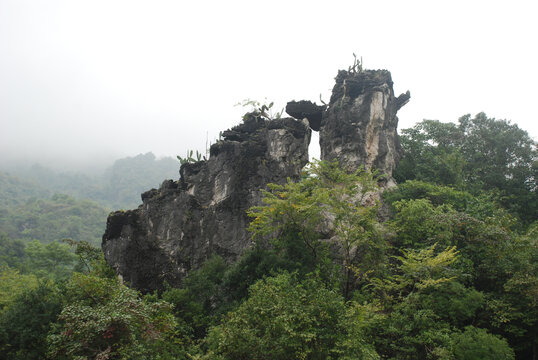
478, 155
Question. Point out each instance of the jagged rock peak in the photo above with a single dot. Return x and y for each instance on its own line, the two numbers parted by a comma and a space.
359, 127
184, 222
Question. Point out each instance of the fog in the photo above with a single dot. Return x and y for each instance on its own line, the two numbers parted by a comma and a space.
86, 82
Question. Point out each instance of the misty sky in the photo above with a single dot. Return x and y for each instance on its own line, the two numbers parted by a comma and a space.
105, 79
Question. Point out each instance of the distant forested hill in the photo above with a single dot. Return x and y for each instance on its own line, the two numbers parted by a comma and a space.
40, 204
53, 219
129, 177
15, 190
119, 187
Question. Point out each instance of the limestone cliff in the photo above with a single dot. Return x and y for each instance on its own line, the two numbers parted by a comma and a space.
182, 223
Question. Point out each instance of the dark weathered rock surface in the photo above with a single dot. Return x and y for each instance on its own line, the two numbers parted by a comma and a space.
359, 126
184, 222
306, 109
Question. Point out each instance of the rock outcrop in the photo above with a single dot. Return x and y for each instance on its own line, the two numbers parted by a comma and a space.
181, 224
184, 222
360, 123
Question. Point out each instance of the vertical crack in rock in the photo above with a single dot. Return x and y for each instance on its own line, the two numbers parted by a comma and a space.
181, 224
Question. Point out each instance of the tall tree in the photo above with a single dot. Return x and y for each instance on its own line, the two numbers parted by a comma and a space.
328, 203
476, 154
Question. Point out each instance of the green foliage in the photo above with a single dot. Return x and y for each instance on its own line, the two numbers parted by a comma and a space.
90, 259
435, 194
478, 154
453, 303
412, 332
498, 154
129, 177
119, 187
283, 318
289, 217
13, 284
96, 316
478, 344
190, 159
418, 270
209, 292
11, 252
200, 301
259, 110
253, 265
59, 217
359, 323
481, 207
54, 260
418, 301
419, 223
512, 304
481, 230
295, 215
488, 246
431, 154
16, 191
106, 320
357, 65
25, 322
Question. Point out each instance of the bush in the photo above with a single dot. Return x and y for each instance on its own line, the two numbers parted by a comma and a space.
107, 320
24, 324
283, 318
477, 344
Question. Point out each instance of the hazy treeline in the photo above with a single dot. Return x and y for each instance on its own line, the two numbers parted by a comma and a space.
118, 187
40, 204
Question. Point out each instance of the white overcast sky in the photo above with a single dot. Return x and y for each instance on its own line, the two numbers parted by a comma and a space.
104, 79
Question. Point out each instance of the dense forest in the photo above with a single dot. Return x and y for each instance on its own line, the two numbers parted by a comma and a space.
443, 266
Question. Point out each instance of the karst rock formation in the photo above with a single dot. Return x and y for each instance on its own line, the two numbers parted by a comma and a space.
184, 222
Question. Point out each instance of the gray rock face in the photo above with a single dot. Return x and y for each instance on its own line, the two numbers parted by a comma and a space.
359, 126
184, 222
